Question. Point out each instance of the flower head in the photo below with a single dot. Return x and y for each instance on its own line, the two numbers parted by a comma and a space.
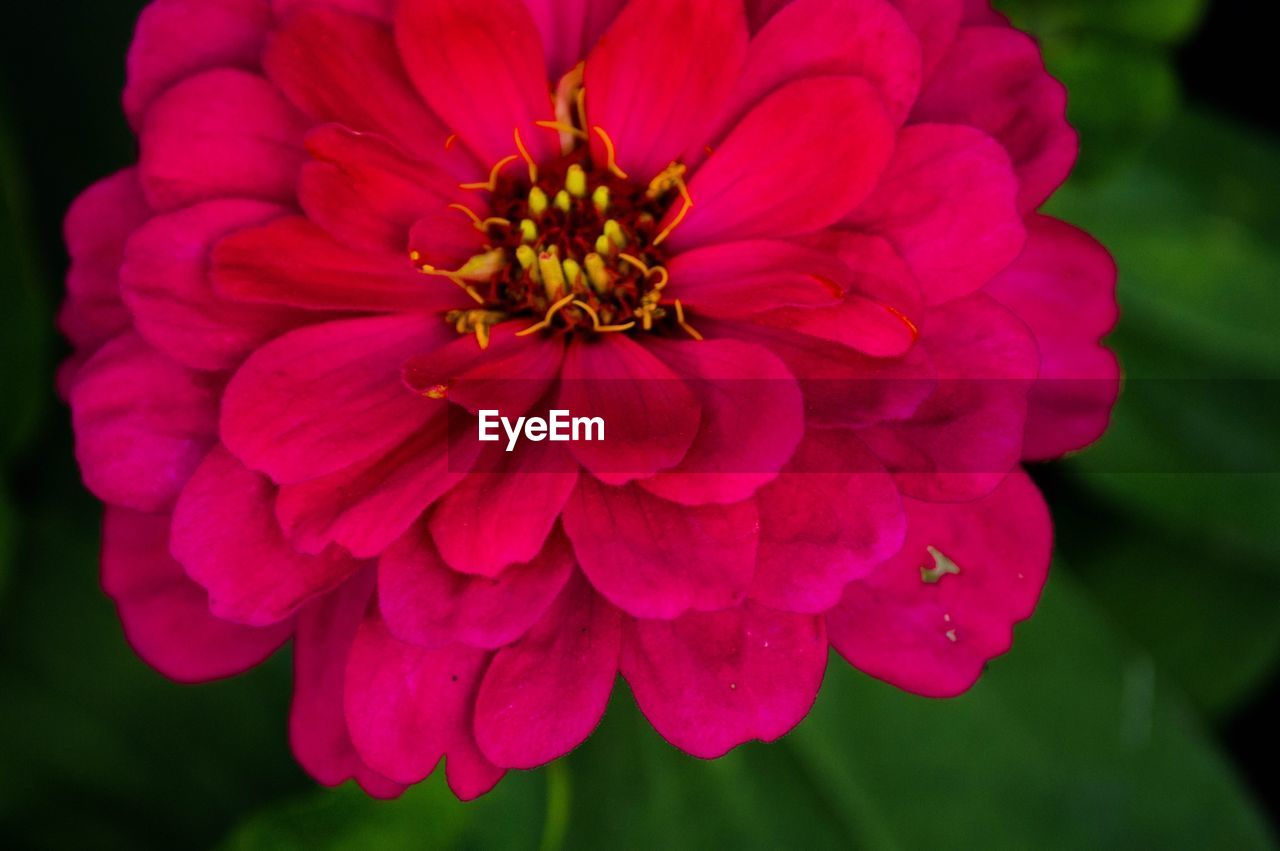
787, 251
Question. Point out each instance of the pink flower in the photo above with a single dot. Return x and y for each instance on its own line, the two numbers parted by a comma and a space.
789, 253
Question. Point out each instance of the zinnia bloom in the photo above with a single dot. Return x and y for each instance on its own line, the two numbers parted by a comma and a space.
788, 251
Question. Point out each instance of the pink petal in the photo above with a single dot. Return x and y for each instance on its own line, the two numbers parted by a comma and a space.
862, 324
407, 707
1064, 287
934, 639
735, 279
570, 28
96, 229
379, 10
317, 724
948, 203
165, 615
760, 11
653, 85
841, 386
651, 417
501, 514
371, 503
980, 12
293, 262
222, 133
655, 559
176, 39
798, 162
709, 682
364, 191
426, 602
479, 66
994, 79
737, 449
142, 422
816, 38
935, 23
344, 68
225, 536
830, 518
325, 397
967, 436
165, 282
543, 695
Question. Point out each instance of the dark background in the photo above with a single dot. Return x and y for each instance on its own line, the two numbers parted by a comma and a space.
1137, 708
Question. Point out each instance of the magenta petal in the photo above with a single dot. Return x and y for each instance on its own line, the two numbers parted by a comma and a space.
225, 535
1064, 287
831, 517
480, 68
935, 23
709, 682
948, 203
813, 38
176, 39
317, 725
165, 282
142, 422
408, 707
223, 133
501, 514
935, 637
365, 191
993, 78
371, 503
96, 229
653, 558
165, 615
426, 602
654, 87
378, 10
860, 323
736, 450
344, 68
570, 28
827, 141
651, 417
328, 396
967, 435
543, 695
735, 279
293, 262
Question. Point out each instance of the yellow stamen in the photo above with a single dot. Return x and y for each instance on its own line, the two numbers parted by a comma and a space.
639, 264
573, 274
563, 202
561, 127
613, 230
671, 177
526, 257
600, 198
576, 181
470, 213
688, 329
552, 275
439, 391
611, 152
546, 322
493, 222
415, 256
605, 246
484, 266
675, 223
529, 231
491, 184
524, 152
597, 273
451, 276
538, 201
664, 278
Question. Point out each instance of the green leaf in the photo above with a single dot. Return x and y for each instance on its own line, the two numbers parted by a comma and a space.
1152, 20
1071, 741
8, 540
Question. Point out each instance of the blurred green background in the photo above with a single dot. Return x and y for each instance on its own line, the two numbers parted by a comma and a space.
1134, 710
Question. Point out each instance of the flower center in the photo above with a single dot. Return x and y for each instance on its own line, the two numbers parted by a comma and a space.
575, 247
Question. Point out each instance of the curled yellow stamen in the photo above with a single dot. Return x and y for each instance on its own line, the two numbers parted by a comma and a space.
551, 314
688, 329
611, 152
664, 278
491, 184
639, 264
470, 213
524, 153
675, 223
